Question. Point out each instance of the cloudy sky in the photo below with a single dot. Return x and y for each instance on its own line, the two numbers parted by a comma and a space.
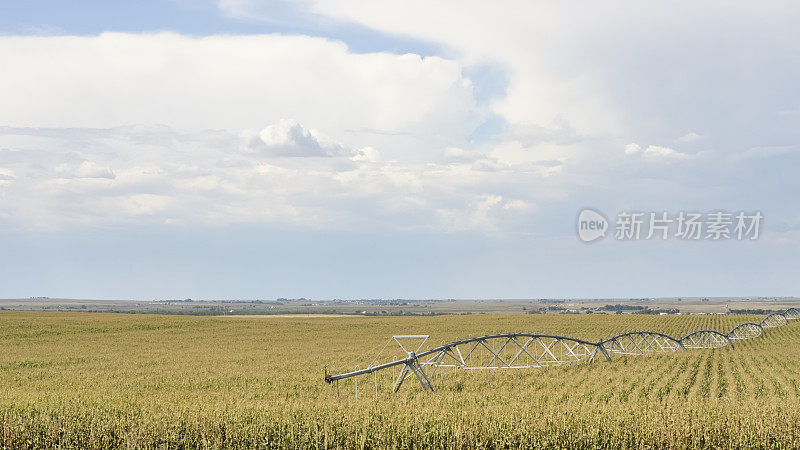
414, 149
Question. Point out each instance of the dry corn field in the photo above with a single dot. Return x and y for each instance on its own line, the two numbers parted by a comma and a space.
82, 380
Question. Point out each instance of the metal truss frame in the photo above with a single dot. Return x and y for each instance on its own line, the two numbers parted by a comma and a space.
773, 320
747, 330
641, 343
705, 339
533, 350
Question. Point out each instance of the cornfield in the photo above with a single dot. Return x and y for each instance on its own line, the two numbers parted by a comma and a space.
74, 380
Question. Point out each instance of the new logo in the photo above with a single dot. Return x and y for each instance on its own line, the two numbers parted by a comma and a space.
591, 225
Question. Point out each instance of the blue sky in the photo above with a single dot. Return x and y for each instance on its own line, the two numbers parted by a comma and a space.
350, 149
197, 18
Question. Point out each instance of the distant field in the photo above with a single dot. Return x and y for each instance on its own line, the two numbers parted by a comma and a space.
399, 307
108, 380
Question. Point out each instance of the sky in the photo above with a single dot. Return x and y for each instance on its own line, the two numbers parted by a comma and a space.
240, 149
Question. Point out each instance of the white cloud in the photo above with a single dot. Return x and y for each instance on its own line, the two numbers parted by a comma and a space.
517, 204
386, 140
86, 169
367, 154
289, 138
161, 176
691, 137
612, 71
460, 155
228, 82
632, 148
142, 204
656, 152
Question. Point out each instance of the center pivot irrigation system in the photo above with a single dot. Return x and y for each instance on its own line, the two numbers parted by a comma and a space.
530, 350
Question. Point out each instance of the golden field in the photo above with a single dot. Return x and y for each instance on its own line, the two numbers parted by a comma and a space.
78, 380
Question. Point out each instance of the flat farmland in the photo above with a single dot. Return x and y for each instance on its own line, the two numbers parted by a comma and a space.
77, 380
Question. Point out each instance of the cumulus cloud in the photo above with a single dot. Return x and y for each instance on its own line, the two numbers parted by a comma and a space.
656, 152
163, 176
616, 71
228, 82
151, 128
289, 138
632, 148
292, 175
665, 152
367, 154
